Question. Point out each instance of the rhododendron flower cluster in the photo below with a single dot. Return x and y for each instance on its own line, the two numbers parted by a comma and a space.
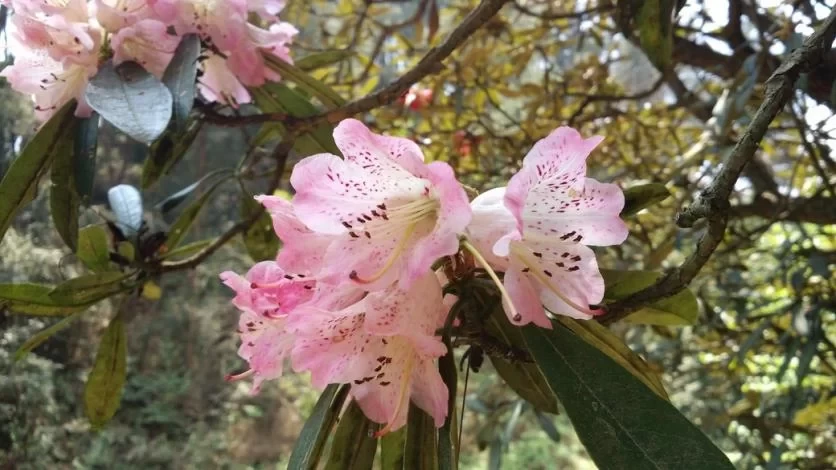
58, 45
352, 297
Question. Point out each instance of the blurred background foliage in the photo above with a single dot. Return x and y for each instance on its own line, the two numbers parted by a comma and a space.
757, 373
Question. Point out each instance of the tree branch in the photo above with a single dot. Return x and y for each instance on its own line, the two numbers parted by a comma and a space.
713, 203
429, 64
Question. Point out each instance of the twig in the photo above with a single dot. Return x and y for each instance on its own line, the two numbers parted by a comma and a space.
713, 204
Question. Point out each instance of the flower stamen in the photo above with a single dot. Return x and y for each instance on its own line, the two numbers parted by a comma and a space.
405, 386
390, 262
494, 277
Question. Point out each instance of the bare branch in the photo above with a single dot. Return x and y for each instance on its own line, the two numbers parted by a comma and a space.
713, 204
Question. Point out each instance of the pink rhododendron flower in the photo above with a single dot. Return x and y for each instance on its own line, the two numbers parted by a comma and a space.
393, 214
56, 52
383, 345
303, 251
240, 44
265, 297
114, 15
147, 43
549, 212
51, 83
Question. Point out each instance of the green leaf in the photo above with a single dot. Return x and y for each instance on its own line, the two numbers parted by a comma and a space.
605, 341
20, 181
354, 443
186, 219
180, 78
643, 196
447, 451
64, 201
317, 429
33, 299
421, 440
524, 378
547, 425
103, 390
392, 450
678, 310
130, 98
260, 239
622, 423
94, 248
166, 151
186, 250
44, 335
319, 60
85, 146
323, 92
90, 288
177, 198
276, 97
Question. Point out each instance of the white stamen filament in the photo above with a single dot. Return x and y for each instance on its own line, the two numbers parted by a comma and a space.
535, 271
405, 385
487, 267
401, 221
392, 258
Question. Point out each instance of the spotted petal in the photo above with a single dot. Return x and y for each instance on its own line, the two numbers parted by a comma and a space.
551, 196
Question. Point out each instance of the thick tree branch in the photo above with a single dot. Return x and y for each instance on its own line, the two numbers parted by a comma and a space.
429, 64
713, 203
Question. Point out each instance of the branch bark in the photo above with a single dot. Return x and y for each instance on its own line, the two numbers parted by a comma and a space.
713, 203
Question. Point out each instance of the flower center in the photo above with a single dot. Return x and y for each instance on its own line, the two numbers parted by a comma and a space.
401, 222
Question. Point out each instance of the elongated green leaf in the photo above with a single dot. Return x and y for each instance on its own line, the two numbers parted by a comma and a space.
308, 448
33, 299
177, 198
64, 201
311, 85
319, 60
447, 451
392, 450
94, 248
186, 250
90, 288
680, 309
181, 78
547, 425
20, 182
103, 390
44, 335
421, 440
354, 444
166, 151
605, 341
186, 219
524, 378
276, 97
622, 423
643, 196
260, 239
130, 98
85, 146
